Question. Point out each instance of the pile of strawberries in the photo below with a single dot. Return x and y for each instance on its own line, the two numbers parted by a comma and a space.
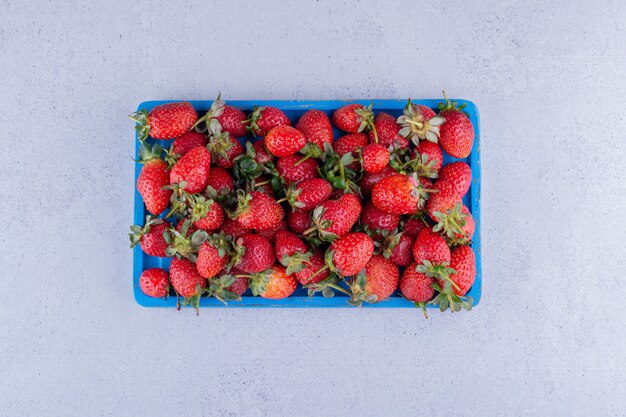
300, 207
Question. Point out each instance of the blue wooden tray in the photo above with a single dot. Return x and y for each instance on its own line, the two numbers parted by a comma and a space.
294, 109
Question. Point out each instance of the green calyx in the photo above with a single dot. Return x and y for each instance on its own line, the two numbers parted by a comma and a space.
218, 288
384, 240
337, 171
258, 282
452, 222
291, 196
422, 166
194, 300
219, 144
358, 293
183, 246
137, 232
327, 287
438, 271
223, 243
148, 153
448, 105
243, 204
252, 122
447, 299
142, 125
296, 262
199, 206
320, 226
416, 126
367, 120
208, 122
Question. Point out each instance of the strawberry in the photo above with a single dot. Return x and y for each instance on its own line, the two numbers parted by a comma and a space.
457, 133
420, 122
453, 288
254, 253
213, 255
233, 228
263, 185
398, 194
220, 182
457, 224
150, 237
459, 174
349, 254
261, 155
427, 159
417, 287
313, 270
335, 218
413, 225
256, 210
155, 282
265, 118
375, 220
375, 158
206, 214
299, 221
291, 251
271, 234
291, 170
224, 149
355, 118
350, 143
402, 253
226, 286
387, 130
284, 141
308, 194
316, 128
166, 121
187, 142
274, 283
240, 285
376, 283
193, 169
444, 197
186, 280
369, 180
431, 247
153, 177
224, 118
185, 240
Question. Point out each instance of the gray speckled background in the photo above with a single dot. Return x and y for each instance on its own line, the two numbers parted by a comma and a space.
549, 336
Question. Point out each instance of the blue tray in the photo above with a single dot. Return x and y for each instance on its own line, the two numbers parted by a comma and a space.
294, 109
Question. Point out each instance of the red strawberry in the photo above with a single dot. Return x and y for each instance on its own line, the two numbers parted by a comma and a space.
402, 253
205, 214
187, 142
369, 180
431, 247
152, 178
291, 251
226, 286
265, 118
193, 168
150, 237
185, 277
387, 130
457, 133
213, 255
413, 225
224, 118
224, 149
313, 271
428, 158
299, 221
155, 282
184, 240
262, 156
417, 287
457, 223
378, 282
308, 194
350, 253
335, 218
459, 174
284, 141
350, 143
271, 234
166, 121
443, 199
354, 118
291, 172
220, 181
375, 158
254, 253
233, 228
376, 220
463, 261
316, 128
274, 284
420, 122
469, 228
259, 211
397, 194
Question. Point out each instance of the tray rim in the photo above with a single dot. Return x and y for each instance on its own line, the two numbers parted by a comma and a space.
317, 301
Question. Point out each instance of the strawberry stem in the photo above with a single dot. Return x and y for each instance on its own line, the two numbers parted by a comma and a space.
302, 160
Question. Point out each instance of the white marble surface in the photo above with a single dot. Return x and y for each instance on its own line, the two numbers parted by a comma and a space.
549, 336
